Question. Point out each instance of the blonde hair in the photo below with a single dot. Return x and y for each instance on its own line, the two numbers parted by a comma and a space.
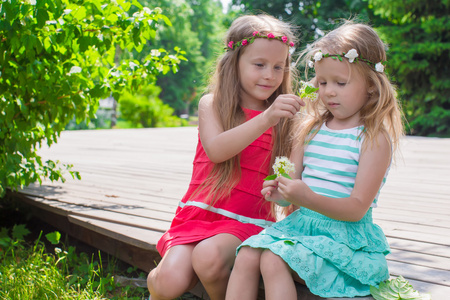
225, 86
382, 112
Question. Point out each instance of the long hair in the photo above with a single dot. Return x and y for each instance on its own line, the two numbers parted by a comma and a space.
225, 87
382, 111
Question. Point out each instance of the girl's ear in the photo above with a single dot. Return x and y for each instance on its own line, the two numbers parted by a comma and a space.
371, 88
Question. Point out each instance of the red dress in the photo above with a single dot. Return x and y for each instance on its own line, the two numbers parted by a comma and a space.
243, 214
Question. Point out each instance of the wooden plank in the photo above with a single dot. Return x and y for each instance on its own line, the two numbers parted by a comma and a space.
392, 229
420, 273
138, 237
132, 178
419, 259
420, 246
67, 209
113, 203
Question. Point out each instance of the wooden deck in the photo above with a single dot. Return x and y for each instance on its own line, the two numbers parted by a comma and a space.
133, 179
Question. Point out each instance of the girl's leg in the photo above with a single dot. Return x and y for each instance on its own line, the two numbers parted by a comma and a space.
244, 279
174, 275
212, 260
277, 277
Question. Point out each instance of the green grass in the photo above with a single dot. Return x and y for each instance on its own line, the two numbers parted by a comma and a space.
30, 271
36, 264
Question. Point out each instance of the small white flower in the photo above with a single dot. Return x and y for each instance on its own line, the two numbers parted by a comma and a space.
379, 67
73, 70
282, 165
311, 64
33, 2
351, 55
307, 92
318, 56
132, 65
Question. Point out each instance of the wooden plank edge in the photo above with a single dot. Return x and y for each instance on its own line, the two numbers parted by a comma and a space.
142, 238
95, 213
143, 258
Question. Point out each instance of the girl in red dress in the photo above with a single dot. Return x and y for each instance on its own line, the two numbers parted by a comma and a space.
243, 125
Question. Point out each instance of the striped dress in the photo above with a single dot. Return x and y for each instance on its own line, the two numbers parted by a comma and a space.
334, 258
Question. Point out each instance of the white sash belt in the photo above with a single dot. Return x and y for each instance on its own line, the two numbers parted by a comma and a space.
226, 213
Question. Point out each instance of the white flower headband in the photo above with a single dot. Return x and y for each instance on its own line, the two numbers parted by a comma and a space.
352, 56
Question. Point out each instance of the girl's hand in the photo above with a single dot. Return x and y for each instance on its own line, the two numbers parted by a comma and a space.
284, 106
269, 191
293, 190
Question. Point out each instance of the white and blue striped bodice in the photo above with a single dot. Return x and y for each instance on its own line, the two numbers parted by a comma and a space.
331, 161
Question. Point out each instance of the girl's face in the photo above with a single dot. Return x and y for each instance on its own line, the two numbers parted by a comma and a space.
261, 69
342, 90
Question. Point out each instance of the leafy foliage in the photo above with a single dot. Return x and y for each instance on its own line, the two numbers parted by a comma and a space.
146, 109
396, 289
419, 35
58, 58
197, 26
313, 17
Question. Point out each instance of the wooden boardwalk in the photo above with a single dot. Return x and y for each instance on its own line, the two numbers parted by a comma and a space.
133, 179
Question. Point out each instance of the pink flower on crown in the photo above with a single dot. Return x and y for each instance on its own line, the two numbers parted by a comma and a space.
284, 39
291, 44
230, 44
270, 35
244, 42
255, 33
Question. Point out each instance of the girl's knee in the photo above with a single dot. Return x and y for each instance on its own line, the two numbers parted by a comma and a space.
160, 283
248, 259
272, 263
209, 262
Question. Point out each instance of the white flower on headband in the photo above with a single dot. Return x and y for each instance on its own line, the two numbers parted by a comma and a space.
379, 67
318, 56
351, 55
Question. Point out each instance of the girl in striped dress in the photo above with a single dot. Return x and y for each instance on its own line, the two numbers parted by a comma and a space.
342, 155
243, 123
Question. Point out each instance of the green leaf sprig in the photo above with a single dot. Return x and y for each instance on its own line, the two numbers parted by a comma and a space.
308, 91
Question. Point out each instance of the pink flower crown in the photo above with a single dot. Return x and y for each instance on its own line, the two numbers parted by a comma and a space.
270, 36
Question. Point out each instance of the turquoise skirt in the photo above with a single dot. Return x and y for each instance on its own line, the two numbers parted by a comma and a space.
334, 258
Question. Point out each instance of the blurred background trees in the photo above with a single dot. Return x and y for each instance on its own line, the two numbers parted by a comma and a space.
418, 37
419, 59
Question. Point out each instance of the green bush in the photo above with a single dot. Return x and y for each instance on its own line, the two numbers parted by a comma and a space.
58, 58
147, 110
